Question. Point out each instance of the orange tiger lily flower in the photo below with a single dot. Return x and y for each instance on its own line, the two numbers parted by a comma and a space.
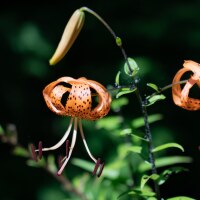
180, 96
73, 97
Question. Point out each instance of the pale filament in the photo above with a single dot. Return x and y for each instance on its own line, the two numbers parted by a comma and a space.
71, 148
85, 143
62, 140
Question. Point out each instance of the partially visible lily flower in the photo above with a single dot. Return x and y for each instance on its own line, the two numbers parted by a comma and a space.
78, 105
180, 96
70, 34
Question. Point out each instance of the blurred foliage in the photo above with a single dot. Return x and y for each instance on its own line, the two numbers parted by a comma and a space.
158, 35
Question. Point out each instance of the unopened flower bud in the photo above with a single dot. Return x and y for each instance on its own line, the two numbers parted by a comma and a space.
70, 34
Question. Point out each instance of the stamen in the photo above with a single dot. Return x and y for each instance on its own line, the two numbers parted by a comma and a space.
101, 170
96, 166
33, 154
85, 143
67, 148
40, 149
62, 140
71, 148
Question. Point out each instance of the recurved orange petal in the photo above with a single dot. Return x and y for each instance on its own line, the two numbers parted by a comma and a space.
180, 96
79, 100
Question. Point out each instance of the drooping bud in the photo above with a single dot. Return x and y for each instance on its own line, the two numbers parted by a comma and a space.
70, 34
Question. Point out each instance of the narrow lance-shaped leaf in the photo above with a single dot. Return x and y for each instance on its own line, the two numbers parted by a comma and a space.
138, 193
125, 91
166, 146
153, 86
117, 78
155, 98
181, 198
165, 161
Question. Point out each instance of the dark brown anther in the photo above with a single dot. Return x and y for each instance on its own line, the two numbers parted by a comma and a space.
101, 170
67, 148
33, 154
96, 166
40, 149
60, 158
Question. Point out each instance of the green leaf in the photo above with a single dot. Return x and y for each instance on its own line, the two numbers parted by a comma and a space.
145, 179
125, 91
109, 123
20, 151
181, 198
117, 78
133, 70
166, 146
153, 86
155, 98
135, 149
139, 122
118, 103
138, 193
168, 172
128, 131
165, 161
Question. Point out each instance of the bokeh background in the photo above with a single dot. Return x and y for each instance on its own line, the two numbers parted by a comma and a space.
160, 35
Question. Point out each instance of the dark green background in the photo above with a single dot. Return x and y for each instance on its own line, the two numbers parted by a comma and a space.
159, 34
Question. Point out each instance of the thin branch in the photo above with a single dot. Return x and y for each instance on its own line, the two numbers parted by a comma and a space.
160, 90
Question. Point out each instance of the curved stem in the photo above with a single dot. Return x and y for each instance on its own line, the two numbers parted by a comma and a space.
117, 39
170, 85
166, 87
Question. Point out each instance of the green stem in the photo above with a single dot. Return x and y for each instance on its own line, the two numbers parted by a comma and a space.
142, 104
117, 39
170, 85
166, 87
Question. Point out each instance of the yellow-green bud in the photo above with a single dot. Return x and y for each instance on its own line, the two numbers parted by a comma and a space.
70, 34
